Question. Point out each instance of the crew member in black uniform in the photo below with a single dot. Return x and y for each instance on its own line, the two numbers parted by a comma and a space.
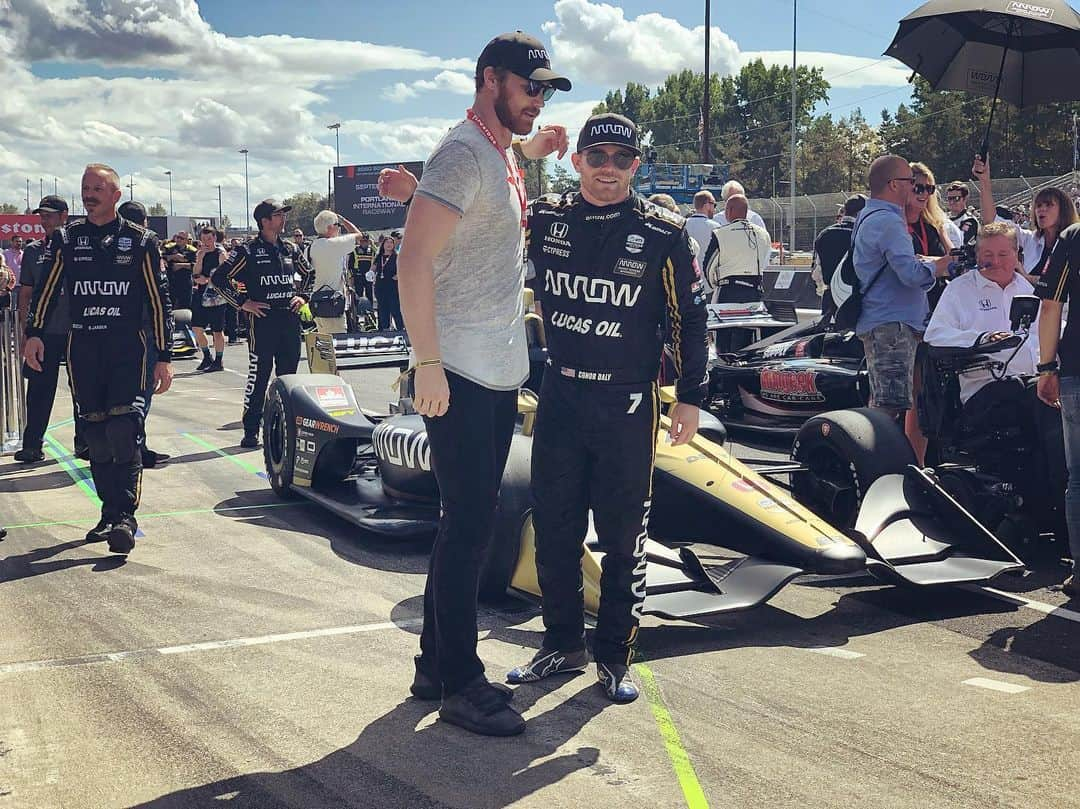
360, 261
110, 270
956, 196
268, 267
610, 267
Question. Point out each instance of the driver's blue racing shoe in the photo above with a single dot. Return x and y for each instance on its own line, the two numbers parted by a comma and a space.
615, 680
547, 662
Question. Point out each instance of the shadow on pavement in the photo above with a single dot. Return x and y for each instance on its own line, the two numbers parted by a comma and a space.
394, 764
39, 561
47, 481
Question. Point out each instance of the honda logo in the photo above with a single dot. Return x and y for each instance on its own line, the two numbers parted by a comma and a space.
559, 229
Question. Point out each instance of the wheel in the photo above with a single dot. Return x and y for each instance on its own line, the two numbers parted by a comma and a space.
844, 451
279, 440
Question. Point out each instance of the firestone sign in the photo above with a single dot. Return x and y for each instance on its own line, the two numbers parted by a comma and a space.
29, 227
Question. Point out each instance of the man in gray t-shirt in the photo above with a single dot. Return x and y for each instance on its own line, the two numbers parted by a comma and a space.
460, 277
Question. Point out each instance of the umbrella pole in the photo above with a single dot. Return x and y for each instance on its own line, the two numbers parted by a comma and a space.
997, 88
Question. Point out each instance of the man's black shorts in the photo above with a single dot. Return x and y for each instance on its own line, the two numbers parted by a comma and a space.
211, 318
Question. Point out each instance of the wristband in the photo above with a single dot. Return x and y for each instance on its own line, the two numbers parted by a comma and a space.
1047, 367
426, 363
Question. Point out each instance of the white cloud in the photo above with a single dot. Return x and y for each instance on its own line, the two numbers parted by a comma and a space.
448, 81
840, 69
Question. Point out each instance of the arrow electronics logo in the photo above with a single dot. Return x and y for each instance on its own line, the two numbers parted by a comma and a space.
1029, 10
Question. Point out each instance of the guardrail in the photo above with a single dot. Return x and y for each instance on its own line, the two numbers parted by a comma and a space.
12, 390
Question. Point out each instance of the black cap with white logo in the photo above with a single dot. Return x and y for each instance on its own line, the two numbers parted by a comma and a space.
269, 207
523, 55
609, 129
51, 204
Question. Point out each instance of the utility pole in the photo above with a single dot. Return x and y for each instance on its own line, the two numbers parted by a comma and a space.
337, 141
131, 186
28, 208
247, 200
171, 211
55, 187
220, 216
794, 85
41, 187
705, 113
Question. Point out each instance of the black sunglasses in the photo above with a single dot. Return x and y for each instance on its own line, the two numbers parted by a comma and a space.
923, 188
954, 199
598, 157
535, 88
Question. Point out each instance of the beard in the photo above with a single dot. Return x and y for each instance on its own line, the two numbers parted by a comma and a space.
518, 124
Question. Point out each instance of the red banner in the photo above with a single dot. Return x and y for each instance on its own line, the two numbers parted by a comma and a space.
29, 227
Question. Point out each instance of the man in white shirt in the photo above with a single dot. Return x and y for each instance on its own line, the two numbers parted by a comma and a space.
732, 188
327, 253
736, 256
700, 223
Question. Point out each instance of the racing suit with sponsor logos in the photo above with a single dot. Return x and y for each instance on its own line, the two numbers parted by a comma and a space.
269, 273
608, 279
111, 276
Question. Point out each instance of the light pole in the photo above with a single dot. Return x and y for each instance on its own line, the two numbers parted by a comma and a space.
337, 141
220, 217
247, 200
131, 186
55, 187
28, 208
705, 112
171, 211
794, 85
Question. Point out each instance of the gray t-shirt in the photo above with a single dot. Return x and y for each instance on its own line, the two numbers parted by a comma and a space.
480, 274
32, 272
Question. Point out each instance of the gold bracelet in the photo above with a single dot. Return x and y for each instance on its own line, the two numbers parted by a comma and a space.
426, 363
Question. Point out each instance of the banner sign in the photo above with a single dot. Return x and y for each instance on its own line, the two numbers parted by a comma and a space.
356, 196
27, 226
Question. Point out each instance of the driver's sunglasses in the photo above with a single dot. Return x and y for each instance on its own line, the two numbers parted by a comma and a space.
535, 88
954, 199
598, 157
923, 188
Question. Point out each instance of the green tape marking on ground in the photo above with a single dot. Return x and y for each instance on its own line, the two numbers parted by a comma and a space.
680, 761
79, 474
93, 520
206, 445
63, 423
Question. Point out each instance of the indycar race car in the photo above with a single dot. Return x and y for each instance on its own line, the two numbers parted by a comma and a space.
374, 470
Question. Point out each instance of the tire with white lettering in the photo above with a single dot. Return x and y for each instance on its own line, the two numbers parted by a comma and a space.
844, 451
279, 439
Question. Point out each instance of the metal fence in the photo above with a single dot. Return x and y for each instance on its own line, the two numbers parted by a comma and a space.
12, 390
816, 211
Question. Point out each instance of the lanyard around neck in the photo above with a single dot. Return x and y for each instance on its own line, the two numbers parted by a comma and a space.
513, 176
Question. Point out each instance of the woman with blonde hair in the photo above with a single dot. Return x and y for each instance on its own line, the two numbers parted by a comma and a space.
1052, 210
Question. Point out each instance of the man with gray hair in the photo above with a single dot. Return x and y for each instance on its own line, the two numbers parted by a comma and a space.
328, 252
732, 187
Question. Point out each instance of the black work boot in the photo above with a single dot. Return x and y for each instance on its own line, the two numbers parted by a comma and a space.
100, 532
207, 361
481, 708
250, 440
122, 535
426, 684
216, 365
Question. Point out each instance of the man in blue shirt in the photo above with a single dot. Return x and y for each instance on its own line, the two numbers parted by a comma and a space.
894, 282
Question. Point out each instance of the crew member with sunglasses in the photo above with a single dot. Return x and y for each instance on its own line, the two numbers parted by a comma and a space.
960, 215
610, 268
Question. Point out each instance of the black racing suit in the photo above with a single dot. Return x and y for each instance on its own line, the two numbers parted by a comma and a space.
969, 227
179, 262
112, 275
360, 261
268, 272
608, 278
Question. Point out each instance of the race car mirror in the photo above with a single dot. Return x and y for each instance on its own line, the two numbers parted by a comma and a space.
1023, 311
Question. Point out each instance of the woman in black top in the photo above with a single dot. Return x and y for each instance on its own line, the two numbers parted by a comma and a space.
386, 288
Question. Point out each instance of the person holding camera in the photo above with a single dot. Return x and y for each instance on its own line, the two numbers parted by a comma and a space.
207, 305
327, 253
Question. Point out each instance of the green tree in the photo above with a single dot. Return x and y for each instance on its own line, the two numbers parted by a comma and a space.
835, 156
7, 207
157, 209
537, 179
563, 181
304, 207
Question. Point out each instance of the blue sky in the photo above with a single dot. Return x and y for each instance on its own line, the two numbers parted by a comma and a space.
155, 85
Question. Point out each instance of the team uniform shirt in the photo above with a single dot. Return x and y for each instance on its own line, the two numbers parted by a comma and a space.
972, 306
829, 249
966, 229
360, 262
738, 250
113, 279
480, 274
208, 294
33, 270
753, 217
700, 227
1059, 283
606, 278
269, 273
327, 259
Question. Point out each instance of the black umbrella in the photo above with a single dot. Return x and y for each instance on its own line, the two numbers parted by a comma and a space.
1023, 52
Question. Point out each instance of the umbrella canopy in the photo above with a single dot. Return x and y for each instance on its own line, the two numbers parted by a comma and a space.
959, 45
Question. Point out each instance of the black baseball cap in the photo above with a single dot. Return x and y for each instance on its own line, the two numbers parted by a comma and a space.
133, 212
51, 204
269, 207
854, 204
609, 129
523, 55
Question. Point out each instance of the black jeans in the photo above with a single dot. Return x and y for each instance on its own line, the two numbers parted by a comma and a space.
273, 345
41, 391
593, 448
469, 446
389, 306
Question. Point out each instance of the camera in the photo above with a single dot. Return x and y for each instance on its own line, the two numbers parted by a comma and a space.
964, 259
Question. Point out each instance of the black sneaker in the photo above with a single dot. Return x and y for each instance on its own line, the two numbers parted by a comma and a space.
215, 365
547, 662
150, 459
27, 455
426, 685
615, 680
82, 453
207, 361
122, 536
250, 441
480, 708
1071, 586
100, 532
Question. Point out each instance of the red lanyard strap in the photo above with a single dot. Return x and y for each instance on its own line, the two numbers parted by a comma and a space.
513, 175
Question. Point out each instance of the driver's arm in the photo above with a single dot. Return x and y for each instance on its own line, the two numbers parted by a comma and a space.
1053, 287
685, 300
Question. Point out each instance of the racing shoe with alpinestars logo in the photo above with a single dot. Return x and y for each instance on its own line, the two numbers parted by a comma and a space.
122, 535
547, 662
426, 685
615, 680
480, 708
100, 532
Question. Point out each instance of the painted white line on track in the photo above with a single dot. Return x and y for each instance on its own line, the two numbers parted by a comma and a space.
1030, 603
286, 636
833, 651
996, 685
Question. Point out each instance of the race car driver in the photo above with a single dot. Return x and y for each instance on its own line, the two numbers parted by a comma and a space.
110, 270
267, 267
609, 266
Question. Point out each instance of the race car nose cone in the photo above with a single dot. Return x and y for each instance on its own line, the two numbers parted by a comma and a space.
841, 558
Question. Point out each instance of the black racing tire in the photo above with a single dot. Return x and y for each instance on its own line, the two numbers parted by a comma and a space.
845, 451
515, 504
279, 440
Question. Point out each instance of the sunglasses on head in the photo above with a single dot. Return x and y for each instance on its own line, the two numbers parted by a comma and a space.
923, 188
598, 157
535, 88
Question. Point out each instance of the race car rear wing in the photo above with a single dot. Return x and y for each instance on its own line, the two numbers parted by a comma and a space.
331, 353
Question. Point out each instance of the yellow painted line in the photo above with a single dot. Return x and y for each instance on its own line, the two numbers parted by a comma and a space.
680, 761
